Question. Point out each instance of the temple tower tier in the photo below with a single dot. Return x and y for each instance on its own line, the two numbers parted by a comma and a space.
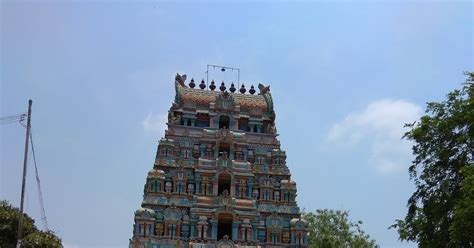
220, 178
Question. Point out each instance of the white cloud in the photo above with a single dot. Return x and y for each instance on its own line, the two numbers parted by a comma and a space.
381, 125
155, 124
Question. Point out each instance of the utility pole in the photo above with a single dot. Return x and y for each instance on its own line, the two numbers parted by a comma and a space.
23, 181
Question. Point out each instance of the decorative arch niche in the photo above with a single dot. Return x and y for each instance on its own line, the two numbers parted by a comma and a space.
224, 182
224, 225
224, 122
224, 143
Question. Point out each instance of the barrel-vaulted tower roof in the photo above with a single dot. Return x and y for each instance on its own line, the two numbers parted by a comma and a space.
195, 98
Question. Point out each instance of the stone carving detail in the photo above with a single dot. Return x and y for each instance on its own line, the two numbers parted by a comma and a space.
175, 120
225, 242
225, 101
224, 161
265, 92
225, 192
225, 135
272, 129
263, 89
172, 213
180, 79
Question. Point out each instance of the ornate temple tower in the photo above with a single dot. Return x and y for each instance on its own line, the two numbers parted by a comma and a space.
220, 178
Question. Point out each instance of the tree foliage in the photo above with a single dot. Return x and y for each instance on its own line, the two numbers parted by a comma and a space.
32, 237
333, 229
441, 210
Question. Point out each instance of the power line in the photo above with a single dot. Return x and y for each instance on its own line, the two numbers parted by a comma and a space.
38, 184
8, 122
12, 118
28, 139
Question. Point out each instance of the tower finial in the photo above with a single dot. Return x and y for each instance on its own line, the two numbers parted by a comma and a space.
222, 87
213, 85
242, 89
252, 90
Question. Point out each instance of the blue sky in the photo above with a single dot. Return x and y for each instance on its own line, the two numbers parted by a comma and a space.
345, 76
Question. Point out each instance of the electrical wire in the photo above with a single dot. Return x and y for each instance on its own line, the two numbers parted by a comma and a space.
38, 184
20, 117
12, 118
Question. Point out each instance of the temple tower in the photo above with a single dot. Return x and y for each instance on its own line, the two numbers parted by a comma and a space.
220, 178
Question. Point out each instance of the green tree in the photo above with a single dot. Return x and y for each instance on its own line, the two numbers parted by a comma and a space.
333, 229
463, 217
441, 210
32, 237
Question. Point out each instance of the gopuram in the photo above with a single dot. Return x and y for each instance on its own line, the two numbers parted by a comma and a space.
220, 178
